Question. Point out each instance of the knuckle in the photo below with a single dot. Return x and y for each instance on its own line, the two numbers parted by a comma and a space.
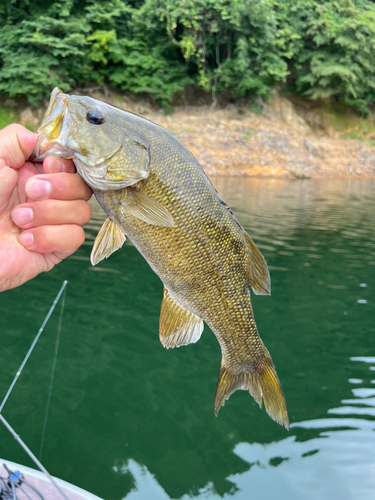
13, 128
85, 211
61, 185
59, 239
44, 239
81, 236
44, 212
66, 185
77, 237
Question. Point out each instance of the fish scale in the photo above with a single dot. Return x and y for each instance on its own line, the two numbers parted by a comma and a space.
156, 194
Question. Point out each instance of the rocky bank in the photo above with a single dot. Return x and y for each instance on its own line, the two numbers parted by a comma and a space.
285, 139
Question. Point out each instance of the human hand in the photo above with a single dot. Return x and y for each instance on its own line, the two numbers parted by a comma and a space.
40, 215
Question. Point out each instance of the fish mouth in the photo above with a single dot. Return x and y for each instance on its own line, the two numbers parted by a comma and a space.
56, 138
56, 129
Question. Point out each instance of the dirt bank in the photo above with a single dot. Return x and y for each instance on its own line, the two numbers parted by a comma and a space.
285, 140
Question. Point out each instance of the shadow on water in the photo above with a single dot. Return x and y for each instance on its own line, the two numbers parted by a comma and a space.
131, 420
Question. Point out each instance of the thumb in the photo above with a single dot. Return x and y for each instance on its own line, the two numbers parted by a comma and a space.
16, 145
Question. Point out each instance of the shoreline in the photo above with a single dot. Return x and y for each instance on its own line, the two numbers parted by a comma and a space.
286, 140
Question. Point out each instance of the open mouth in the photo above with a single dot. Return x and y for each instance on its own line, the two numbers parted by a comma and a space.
103, 167
55, 130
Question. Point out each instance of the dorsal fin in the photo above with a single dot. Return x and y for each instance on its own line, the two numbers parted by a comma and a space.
177, 326
259, 275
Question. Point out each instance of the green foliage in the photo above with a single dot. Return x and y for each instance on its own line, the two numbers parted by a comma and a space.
67, 43
228, 44
42, 45
320, 49
7, 117
337, 58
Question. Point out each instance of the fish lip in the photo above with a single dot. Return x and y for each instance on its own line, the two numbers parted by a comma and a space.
56, 129
42, 150
57, 132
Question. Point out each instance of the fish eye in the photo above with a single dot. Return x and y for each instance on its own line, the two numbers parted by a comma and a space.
95, 117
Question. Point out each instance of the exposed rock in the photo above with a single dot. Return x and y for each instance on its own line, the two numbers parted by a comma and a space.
253, 145
282, 109
312, 149
31, 117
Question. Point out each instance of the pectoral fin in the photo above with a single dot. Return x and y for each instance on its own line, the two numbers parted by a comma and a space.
178, 326
259, 276
109, 239
147, 209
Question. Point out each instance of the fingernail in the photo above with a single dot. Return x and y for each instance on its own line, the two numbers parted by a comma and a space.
22, 216
56, 166
38, 188
26, 239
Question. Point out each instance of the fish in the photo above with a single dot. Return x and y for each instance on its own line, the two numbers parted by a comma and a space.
156, 194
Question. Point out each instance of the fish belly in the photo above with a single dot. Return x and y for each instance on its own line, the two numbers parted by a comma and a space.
201, 277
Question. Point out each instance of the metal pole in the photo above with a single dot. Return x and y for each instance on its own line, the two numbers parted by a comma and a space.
32, 456
33, 345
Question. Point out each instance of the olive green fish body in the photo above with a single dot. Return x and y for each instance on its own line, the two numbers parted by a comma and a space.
167, 207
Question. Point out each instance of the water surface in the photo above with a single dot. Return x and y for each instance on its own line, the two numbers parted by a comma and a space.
129, 419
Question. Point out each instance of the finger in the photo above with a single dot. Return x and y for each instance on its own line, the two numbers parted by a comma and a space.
54, 165
39, 168
51, 212
16, 145
58, 187
27, 171
64, 239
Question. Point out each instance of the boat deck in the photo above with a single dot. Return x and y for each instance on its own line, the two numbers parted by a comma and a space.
41, 483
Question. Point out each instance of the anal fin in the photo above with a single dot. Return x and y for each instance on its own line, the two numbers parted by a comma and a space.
109, 239
259, 275
261, 385
177, 326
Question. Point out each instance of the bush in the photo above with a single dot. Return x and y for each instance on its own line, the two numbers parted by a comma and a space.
337, 56
321, 49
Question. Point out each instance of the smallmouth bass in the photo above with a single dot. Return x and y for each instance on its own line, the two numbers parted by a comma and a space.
156, 194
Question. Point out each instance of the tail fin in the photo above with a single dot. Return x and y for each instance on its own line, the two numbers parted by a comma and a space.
264, 384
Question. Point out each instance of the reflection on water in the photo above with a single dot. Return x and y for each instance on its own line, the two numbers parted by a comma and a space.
339, 462
131, 420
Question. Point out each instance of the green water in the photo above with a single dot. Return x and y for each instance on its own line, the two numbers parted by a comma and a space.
129, 419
